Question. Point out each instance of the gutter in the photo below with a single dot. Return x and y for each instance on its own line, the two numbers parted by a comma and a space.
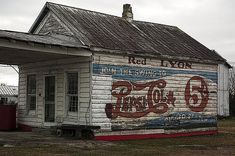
156, 56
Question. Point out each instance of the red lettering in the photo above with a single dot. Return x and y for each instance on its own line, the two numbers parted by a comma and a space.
144, 61
173, 64
131, 60
181, 65
156, 96
135, 106
162, 63
195, 93
188, 65
138, 61
176, 64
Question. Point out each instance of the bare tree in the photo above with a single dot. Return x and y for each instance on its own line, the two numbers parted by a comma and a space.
232, 90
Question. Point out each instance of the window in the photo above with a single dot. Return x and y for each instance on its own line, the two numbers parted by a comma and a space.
4, 100
72, 91
31, 92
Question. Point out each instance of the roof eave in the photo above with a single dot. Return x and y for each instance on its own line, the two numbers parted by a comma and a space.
40, 17
228, 65
157, 56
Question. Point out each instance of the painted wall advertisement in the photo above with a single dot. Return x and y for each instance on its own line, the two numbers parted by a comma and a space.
170, 96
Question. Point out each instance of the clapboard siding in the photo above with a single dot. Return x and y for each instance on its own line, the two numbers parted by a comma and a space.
113, 69
150, 62
223, 90
57, 68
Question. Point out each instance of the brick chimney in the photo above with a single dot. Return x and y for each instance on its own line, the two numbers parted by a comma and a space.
127, 12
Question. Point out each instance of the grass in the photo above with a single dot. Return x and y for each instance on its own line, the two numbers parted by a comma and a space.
221, 144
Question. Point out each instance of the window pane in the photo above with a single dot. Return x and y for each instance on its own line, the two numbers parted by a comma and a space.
4, 100
31, 84
72, 91
73, 103
72, 83
32, 102
50, 89
31, 92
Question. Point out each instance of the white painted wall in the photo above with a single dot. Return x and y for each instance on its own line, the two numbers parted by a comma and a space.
102, 89
223, 90
57, 68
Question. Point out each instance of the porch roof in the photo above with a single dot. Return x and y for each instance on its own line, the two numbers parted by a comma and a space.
18, 48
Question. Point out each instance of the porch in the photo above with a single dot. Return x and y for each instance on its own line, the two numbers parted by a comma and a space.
54, 78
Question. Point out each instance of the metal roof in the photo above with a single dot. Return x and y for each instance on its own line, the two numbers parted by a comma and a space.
18, 48
8, 90
105, 31
53, 39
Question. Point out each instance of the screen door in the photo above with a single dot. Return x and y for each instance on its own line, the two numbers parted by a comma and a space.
49, 98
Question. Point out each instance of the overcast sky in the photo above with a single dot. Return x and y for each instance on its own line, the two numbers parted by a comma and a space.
211, 22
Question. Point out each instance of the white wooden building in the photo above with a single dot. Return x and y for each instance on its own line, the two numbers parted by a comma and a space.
135, 79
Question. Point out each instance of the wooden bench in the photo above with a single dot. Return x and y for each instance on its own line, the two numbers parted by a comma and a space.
78, 131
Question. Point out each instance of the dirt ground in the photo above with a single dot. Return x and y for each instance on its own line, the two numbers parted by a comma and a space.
35, 144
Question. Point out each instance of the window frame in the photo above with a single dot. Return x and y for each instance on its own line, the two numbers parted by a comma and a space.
68, 95
4, 100
31, 94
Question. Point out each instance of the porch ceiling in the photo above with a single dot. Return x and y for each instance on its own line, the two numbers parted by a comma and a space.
13, 56
18, 48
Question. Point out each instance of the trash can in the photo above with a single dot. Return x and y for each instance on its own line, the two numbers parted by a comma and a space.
7, 117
